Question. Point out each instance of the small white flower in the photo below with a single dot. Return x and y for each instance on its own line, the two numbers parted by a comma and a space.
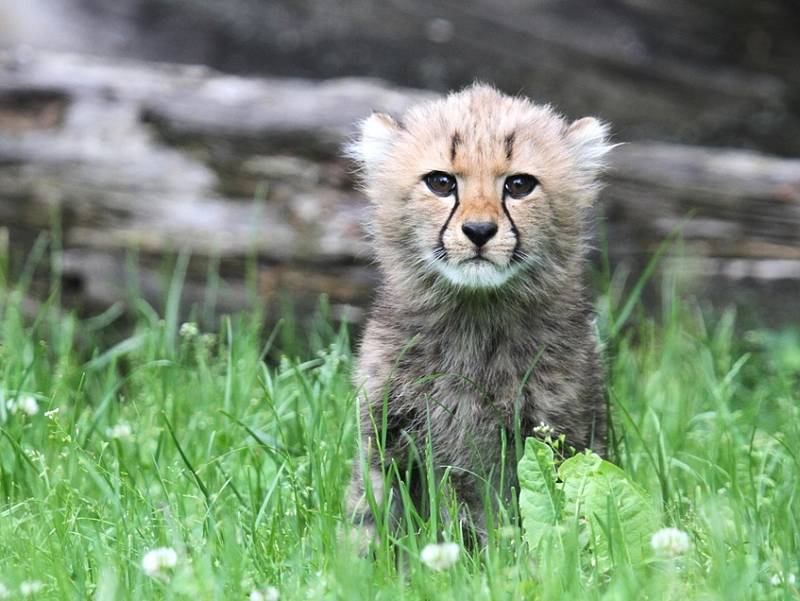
121, 430
157, 563
189, 330
268, 593
440, 557
30, 587
777, 579
25, 403
4, 592
543, 429
670, 542
52, 413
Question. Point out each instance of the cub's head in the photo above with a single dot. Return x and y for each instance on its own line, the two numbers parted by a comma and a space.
479, 188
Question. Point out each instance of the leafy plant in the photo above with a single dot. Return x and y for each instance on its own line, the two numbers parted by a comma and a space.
541, 500
614, 517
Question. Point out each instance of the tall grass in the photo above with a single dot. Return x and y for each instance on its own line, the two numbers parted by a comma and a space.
236, 455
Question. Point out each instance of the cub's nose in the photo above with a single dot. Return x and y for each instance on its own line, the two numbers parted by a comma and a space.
480, 232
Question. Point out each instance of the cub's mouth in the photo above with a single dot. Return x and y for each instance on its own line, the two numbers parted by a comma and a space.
478, 258
475, 272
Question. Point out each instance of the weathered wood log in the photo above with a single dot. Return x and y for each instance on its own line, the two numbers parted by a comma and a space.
712, 72
164, 158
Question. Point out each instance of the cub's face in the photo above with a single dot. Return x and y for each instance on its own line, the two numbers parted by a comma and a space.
479, 187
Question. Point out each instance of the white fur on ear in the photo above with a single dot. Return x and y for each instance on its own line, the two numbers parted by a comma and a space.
371, 146
588, 139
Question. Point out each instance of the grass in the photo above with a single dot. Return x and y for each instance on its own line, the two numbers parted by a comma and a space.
237, 456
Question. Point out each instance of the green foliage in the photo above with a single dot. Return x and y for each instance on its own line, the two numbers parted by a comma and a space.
237, 454
612, 514
541, 498
618, 515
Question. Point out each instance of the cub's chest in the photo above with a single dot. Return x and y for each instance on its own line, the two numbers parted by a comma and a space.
480, 353
475, 374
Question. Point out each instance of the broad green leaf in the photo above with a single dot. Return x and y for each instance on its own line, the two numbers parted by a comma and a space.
540, 502
618, 515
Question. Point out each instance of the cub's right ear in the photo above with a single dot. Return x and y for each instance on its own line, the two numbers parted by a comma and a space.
371, 146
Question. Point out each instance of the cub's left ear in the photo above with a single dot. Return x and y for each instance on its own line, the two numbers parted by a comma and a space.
588, 139
374, 140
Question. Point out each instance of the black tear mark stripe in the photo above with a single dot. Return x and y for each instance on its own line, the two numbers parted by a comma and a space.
441, 252
454, 143
509, 146
515, 256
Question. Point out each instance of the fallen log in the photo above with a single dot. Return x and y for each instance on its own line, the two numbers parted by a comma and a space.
708, 72
233, 170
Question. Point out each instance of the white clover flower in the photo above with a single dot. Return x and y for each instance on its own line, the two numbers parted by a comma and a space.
440, 557
52, 413
189, 330
25, 403
158, 563
4, 592
30, 587
268, 593
121, 431
670, 542
778, 579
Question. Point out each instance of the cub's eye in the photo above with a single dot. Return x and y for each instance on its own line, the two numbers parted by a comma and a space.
519, 185
440, 183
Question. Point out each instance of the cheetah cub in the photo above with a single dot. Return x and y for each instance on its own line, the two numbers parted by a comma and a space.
481, 329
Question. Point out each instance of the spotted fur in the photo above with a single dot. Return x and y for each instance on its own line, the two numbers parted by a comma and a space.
463, 353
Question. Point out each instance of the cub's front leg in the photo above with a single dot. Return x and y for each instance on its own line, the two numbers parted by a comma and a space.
368, 490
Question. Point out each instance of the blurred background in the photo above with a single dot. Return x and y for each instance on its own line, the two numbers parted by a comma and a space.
141, 135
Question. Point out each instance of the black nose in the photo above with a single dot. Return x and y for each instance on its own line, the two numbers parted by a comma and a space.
480, 232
